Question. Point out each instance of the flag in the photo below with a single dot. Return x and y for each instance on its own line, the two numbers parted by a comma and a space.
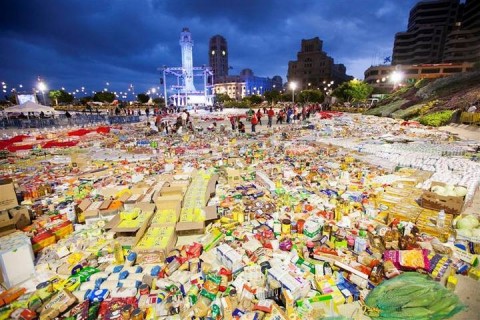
161, 80
387, 60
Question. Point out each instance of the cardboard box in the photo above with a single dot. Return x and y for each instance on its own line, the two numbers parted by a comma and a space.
174, 190
4, 216
197, 227
124, 197
105, 204
21, 217
7, 227
83, 205
128, 237
157, 253
92, 210
147, 208
451, 204
212, 186
114, 207
80, 209
160, 201
16, 260
8, 197
16, 218
169, 212
234, 177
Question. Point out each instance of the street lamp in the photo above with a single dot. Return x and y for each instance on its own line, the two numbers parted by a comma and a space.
293, 86
42, 87
396, 78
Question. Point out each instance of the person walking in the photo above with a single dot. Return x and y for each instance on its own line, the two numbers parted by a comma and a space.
233, 121
184, 116
249, 114
270, 114
254, 121
259, 116
289, 114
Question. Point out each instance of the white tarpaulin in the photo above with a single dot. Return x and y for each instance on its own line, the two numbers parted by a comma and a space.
29, 106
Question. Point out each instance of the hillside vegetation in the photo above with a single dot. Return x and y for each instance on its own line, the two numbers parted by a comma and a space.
432, 102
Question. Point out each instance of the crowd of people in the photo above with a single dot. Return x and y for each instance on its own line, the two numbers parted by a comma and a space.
182, 124
290, 114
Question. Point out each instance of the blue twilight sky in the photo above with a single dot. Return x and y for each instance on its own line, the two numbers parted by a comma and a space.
73, 43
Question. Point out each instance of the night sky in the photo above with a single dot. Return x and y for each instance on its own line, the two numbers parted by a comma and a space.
72, 43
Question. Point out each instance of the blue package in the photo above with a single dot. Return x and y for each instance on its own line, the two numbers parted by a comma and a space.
138, 269
98, 282
117, 269
238, 313
136, 284
131, 257
155, 271
123, 275
98, 295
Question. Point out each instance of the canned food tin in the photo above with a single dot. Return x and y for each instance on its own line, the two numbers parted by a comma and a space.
286, 226
137, 314
143, 289
126, 311
300, 225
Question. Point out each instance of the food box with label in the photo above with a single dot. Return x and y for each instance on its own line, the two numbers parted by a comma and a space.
155, 244
168, 212
129, 226
8, 197
450, 203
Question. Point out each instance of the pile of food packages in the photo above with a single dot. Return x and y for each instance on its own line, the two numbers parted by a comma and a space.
343, 217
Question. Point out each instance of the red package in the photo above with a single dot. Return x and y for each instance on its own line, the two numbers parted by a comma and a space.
110, 308
80, 311
225, 272
194, 250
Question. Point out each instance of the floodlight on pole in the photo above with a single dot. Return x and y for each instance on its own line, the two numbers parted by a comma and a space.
42, 87
397, 78
293, 86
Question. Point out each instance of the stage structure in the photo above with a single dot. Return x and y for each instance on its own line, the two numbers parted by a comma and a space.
186, 95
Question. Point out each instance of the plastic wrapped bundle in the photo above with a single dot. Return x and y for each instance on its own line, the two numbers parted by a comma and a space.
412, 296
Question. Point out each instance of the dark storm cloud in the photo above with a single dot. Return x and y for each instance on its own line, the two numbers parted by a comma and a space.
88, 43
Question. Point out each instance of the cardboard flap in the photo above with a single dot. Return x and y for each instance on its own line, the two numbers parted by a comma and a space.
82, 206
185, 226
147, 208
105, 205
211, 213
8, 197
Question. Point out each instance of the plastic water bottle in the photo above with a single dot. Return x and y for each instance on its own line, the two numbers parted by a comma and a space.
441, 219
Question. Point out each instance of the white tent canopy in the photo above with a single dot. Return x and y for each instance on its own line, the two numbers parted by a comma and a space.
29, 106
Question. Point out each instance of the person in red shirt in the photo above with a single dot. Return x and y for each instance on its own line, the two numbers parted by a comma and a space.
254, 122
270, 114
259, 116
233, 121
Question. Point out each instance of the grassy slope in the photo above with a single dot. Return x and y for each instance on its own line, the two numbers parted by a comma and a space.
455, 92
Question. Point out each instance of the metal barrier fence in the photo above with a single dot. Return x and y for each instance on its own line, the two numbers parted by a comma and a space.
470, 118
79, 120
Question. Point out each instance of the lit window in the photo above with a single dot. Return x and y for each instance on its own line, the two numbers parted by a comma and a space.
223, 52
213, 52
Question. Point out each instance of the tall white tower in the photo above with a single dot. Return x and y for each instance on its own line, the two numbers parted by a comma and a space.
186, 43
